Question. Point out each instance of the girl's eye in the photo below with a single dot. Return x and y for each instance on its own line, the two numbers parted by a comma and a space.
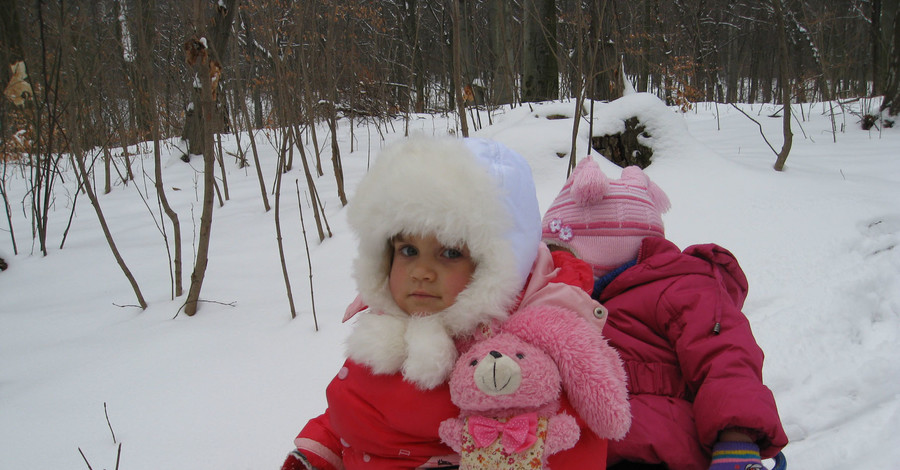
452, 253
407, 250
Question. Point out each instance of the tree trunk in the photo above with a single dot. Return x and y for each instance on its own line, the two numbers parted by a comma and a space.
877, 47
410, 58
332, 71
336, 163
540, 69
204, 66
503, 83
604, 84
86, 181
209, 181
10, 54
250, 50
785, 82
311, 185
883, 30
457, 72
147, 97
6, 206
578, 82
251, 133
217, 35
891, 101
279, 175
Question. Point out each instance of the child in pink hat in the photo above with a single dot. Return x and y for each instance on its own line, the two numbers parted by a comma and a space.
694, 368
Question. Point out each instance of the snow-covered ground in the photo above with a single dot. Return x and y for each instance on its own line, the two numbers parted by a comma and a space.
230, 387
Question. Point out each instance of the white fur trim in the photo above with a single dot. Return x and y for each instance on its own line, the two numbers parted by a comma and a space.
377, 341
419, 347
431, 352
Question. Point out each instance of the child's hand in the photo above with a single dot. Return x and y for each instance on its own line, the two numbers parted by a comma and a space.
296, 461
732, 455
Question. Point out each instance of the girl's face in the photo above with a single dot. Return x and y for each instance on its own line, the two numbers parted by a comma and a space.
426, 276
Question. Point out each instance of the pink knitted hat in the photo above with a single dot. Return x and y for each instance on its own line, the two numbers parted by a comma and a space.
603, 221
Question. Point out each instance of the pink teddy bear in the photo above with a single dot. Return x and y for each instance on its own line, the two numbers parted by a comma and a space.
508, 388
508, 391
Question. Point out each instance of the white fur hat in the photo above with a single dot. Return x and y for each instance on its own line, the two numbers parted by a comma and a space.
471, 191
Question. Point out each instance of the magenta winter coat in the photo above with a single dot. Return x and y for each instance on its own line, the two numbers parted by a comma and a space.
686, 382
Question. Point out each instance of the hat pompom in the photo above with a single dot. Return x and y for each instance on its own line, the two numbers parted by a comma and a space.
589, 184
657, 196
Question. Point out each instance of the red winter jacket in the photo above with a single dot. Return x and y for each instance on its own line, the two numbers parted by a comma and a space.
686, 382
383, 422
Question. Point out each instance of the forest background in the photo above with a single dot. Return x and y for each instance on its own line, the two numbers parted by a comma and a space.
115, 72
86, 79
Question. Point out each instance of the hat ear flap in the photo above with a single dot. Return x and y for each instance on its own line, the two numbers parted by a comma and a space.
657, 195
589, 184
592, 373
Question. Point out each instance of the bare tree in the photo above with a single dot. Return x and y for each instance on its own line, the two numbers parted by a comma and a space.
332, 70
12, 62
215, 37
200, 58
50, 100
279, 175
540, 79
785, 82
144, 39
6, 207
457, 69
503, 49
79, 158
891, 101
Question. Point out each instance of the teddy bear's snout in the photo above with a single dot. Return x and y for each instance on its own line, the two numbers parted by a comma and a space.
498, 374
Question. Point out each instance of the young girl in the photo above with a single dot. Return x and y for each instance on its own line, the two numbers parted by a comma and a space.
694, 369
449, 236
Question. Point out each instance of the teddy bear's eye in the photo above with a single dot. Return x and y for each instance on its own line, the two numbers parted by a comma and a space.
520, 355
474, 362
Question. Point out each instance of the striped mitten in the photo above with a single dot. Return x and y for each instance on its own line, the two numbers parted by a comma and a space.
736, 456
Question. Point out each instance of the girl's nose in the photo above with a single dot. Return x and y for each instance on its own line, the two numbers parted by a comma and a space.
422, 271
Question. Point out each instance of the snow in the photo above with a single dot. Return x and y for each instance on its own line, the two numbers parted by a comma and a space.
230, 387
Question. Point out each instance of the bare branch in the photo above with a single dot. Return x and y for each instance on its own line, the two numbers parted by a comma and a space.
759, 125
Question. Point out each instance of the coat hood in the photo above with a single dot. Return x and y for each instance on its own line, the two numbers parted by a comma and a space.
660, 258
470, 191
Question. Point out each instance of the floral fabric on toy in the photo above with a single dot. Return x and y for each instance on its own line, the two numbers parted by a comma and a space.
510, 443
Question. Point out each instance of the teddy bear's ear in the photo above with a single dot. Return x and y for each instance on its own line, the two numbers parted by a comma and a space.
592, 373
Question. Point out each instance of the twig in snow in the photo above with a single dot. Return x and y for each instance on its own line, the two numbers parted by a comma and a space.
227, 304
126, 305
85, 459
312, 292
106, 412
